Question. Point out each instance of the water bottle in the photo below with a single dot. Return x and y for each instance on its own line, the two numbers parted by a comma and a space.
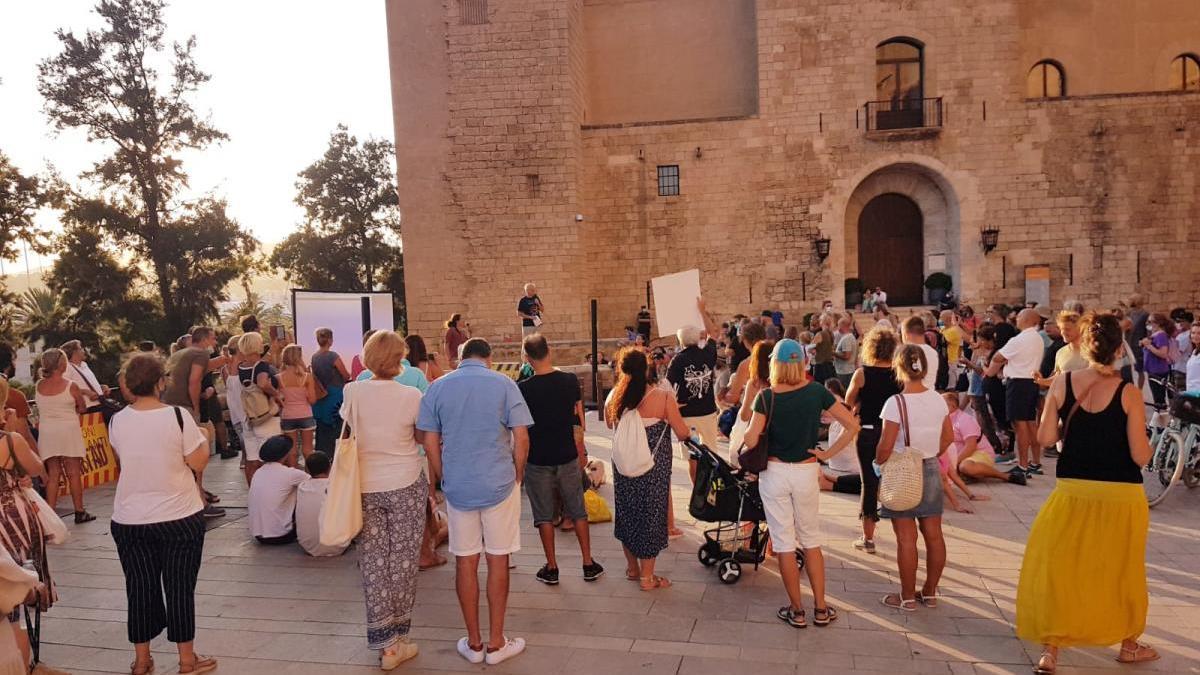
694, 437
876, 468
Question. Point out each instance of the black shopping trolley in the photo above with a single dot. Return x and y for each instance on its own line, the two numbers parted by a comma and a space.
728, 498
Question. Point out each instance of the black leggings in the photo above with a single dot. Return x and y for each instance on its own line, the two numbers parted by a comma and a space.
161, 559
868, 439
1158, 389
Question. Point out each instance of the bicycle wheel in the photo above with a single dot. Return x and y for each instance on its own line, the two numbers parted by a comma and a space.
1164, 469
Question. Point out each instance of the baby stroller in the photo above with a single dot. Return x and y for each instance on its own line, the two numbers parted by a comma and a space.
729, 499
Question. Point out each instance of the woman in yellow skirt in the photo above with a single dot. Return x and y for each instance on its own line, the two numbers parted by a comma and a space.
1083, 579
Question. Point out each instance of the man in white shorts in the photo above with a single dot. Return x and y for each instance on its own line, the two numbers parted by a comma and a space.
481, 464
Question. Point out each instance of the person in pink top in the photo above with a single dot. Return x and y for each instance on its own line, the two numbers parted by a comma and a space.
971, 454
299, 390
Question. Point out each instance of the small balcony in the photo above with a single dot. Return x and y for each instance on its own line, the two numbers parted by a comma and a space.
903, 115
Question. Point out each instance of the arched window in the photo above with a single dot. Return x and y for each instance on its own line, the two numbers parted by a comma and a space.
1185, 73
1046, 80
899, 70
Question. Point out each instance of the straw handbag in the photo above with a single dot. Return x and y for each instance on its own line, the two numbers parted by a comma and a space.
901, 480
341, 515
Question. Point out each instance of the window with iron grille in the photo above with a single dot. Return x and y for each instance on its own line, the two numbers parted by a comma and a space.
473, 12
668, 180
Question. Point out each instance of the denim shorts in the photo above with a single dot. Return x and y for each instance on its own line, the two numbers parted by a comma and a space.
298, 424
931, 494
542, 483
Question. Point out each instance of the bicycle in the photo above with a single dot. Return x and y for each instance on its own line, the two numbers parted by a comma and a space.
1174, 432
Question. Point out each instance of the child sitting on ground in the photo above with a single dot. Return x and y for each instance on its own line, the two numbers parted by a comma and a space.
310, 497
272, 498
841, 473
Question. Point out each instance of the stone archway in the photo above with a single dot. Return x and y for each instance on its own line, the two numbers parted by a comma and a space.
940, 229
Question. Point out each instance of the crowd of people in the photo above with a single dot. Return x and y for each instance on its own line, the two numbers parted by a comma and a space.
979, 397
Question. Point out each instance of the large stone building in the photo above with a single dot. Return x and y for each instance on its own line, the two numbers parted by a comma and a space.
589, 145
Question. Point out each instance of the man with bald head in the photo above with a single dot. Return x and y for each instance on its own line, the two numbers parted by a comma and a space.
1020, 359
530, 309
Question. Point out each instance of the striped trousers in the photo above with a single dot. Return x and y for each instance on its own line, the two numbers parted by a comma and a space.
161, 562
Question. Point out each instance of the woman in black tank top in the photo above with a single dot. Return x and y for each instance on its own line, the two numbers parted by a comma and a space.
1097, 512
872, 385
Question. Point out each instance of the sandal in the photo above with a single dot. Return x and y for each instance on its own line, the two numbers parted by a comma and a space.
895, 601
438, 561
824, 617
144, 670
656, 582
1139, 654
929, 601
211, 498
792, 617
1047, 664
83, 517
202, 664
632, 576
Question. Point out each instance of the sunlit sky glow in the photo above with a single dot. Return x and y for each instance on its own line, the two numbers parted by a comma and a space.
283, 75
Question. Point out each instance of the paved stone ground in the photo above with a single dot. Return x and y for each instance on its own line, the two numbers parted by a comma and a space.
274, 610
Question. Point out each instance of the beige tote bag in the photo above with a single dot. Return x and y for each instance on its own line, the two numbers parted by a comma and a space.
902, 477
341, 515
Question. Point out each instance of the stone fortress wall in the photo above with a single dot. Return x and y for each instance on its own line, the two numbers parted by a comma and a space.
529, 133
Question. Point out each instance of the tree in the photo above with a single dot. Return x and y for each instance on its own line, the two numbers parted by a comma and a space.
105, 82
350, 239
21, 197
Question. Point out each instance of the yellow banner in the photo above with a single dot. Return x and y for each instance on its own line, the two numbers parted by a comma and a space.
99, 461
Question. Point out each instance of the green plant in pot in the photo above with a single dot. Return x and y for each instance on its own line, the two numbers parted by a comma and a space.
854, 292
938, 284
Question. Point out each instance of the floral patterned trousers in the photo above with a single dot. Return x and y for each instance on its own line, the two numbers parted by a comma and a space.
388, 550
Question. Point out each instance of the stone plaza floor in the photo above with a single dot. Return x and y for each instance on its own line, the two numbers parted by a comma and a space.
275, 610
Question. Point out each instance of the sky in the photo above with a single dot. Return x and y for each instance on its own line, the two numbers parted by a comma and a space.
284, 74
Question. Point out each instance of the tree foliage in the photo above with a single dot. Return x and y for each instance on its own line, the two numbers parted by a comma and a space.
350, 240
21, 197
106, 82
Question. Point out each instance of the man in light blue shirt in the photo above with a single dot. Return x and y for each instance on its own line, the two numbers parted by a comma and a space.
477, 440
408, 375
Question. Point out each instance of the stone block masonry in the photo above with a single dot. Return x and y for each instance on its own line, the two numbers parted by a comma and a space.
1100, 187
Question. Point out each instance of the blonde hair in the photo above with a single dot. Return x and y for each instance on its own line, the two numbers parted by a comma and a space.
788, 373
52, 360
1067, 318
292, 358
233, 345
251, 344
879, 344
910, 364
383, 352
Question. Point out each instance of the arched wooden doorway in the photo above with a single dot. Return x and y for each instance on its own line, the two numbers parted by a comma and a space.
891, 247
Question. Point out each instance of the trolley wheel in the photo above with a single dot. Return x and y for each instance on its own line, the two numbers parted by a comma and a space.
1191, 477
729, 571
709, 554
800, 558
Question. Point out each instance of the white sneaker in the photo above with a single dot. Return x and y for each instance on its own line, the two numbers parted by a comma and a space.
464, 648
512, 647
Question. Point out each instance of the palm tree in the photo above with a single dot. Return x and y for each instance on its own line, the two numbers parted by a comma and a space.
36, 308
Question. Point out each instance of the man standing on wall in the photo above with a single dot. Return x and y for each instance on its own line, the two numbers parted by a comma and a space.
643, 324
530, 309
1020, 358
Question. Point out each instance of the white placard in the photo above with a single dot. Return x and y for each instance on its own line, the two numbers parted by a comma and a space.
675, 298
343, 313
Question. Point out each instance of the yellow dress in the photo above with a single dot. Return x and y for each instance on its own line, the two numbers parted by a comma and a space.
1083, 579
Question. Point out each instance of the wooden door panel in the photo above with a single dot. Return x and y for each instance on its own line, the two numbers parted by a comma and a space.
891, 247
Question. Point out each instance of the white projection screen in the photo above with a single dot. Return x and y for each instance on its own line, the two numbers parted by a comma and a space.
349, 315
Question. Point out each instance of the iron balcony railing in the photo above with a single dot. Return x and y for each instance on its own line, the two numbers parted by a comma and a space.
907, 113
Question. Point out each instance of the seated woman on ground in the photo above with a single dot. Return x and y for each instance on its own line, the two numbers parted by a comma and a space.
974, 456
841, 472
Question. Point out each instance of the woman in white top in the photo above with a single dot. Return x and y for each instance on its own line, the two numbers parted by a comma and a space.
80, 373
383, 415
1193, 362
156, 521
924, 418
60, 438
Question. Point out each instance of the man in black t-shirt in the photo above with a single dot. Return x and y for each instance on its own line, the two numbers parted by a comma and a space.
692, 374
555, 465
530, 309
643, 324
